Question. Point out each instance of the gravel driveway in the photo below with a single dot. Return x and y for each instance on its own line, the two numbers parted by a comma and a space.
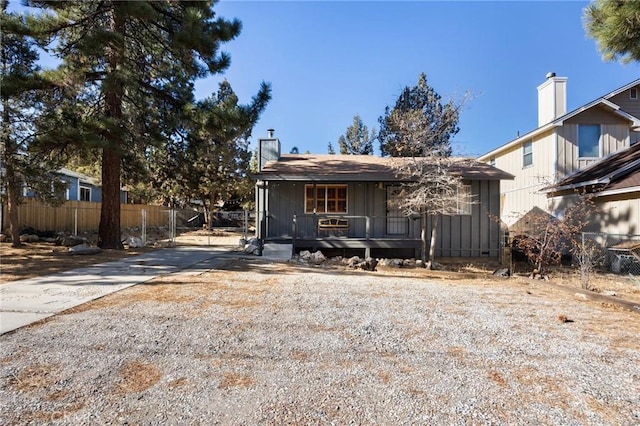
276, 344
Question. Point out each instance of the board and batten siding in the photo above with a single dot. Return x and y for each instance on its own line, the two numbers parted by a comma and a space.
628, 105
522, 193
477, 234
616, 215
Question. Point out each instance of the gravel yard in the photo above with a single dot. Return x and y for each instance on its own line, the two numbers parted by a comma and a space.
261, 343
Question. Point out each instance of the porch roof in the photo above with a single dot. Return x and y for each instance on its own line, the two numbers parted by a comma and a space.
361, 168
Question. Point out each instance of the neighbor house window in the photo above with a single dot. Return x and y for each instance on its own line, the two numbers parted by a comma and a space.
588, 140
633, 93
85, 193
325, 199
527, 154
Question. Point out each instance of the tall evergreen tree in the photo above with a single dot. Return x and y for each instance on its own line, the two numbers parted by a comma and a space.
357, 140
21, 104
433, 123
209, 156
133, 63
615, 26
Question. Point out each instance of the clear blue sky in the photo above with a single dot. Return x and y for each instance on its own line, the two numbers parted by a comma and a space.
330, 60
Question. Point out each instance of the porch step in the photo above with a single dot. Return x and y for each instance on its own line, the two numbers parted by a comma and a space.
274, 251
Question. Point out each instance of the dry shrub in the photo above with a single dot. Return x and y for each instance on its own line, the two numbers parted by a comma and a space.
496, 377
231, 380
34, 377
138, 376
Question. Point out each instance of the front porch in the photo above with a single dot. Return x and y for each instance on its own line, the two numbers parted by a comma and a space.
353, 235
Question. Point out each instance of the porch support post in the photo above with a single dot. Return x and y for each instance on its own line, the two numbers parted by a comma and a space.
295, 232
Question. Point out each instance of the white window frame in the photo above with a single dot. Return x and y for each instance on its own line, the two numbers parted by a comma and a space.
464, 201
80, 188
326, 201
526, 154
599, 141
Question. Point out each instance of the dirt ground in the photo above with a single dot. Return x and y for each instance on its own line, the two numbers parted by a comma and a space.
36, 259
256, 342
41, 258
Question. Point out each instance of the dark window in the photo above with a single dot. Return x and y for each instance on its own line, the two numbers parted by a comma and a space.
588, 140
85, 193
527, 154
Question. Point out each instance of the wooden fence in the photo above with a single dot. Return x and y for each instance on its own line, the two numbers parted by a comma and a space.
82, 216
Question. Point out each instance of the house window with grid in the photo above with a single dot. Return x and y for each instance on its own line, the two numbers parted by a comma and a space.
85, 193
589, 140
463, 201
527, 154
325, 199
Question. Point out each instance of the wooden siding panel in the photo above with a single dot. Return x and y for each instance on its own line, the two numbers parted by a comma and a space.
631, 106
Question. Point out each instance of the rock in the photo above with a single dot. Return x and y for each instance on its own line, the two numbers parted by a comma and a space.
317, 257
29, 238
502, 272
369, 264
392, 263
581, 296
252, 249
409, 263
73, 240
133, 242
609, 293
4, 238
84, 249
353, 262
305, 255
419, 263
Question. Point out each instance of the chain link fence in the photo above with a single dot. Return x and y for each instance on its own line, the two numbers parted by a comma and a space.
617, 253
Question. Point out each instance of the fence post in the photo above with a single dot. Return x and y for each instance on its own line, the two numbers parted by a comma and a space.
75, 221
172, 225
143, 237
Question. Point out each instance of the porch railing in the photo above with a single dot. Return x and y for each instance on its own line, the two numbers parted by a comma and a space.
311, 226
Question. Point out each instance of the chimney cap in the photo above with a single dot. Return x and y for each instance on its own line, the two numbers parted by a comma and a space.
551, 75
270, 132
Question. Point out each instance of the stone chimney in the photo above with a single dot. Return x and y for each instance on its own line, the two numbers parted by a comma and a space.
552, 99
268, 149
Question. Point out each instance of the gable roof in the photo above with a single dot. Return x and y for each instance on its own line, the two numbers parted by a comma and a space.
618, 172
603, 101
358, 168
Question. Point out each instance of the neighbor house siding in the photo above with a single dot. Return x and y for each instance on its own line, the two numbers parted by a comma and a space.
616, 215
630, 106
522, 193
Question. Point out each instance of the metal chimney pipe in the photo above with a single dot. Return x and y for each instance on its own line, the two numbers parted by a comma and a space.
270, 133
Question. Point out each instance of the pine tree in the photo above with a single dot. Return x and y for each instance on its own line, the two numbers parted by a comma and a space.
357, 140
210, 157
21, 104
615, 26
432, 123
133, 64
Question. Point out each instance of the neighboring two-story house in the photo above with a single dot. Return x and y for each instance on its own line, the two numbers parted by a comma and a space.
563, 144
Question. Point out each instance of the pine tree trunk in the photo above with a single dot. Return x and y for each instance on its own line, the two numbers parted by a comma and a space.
13, 197
109, 230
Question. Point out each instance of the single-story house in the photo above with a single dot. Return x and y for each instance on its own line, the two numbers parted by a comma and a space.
80, 187
343, 204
